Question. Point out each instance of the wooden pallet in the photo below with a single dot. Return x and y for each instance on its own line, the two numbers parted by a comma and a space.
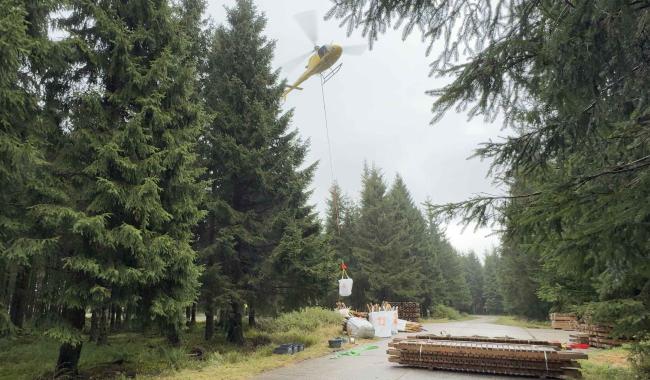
502, 356
483, 339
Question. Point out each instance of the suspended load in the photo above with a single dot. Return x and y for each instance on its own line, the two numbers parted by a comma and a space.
345, 283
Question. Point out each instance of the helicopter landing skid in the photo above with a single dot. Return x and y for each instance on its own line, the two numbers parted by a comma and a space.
327, 76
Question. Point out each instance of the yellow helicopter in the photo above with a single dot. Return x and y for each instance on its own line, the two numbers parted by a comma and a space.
322, 57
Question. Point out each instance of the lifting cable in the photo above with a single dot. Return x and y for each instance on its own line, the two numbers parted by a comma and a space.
329, 149
327, 131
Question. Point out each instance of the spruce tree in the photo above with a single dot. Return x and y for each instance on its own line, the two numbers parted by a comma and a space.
341, 223
370, 242
125, 229
473, 271
25, 50
253, 163
453, 289
408, 260
491, 284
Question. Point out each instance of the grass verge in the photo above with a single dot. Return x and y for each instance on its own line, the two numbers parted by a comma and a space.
509, 320
607, 364
462, 317
130, 354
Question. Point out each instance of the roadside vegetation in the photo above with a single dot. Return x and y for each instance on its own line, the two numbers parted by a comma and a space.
608, 364
30, 355
511, 320
442, 313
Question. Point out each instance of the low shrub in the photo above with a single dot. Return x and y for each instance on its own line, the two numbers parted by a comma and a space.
640, 358
305, 320
445, 312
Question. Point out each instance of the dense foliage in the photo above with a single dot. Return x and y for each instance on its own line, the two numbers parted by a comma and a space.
394, 252
147, 169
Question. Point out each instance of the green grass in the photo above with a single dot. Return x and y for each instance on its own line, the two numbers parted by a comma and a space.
607, 364
509, 320
462, 317
30, 356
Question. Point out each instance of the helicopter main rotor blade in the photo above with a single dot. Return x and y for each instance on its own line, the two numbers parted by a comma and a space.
292, 64
308, 21
354, 49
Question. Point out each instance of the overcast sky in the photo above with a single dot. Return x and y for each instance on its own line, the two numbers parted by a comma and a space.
378, 112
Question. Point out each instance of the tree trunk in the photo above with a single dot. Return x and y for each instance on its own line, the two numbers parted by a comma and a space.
209, 323
188, 315
17, 310
173, 334
102, 337
69, 353
126, 322
251, 316
118, 317
235, 332
111, 312
94, 326
223, 319
193, 315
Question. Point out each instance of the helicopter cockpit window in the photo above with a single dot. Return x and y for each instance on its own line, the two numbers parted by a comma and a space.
322, 51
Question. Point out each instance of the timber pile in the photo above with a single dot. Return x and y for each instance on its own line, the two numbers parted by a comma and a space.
350, 311
413, 326
485, 339
600, 336
567, 321
499, 356
409, 311
580, 338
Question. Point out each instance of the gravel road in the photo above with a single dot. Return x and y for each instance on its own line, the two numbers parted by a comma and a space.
373, 364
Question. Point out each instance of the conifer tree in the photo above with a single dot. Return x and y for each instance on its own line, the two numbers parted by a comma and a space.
453, 290
370, 241
25, 50
491, 284
340, 225
253, 163
473, 271
408, 258
125, 229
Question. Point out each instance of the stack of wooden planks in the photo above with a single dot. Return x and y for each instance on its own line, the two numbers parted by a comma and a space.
408, 310
578, 337
413, 326
600, 336
564, 321
502, 356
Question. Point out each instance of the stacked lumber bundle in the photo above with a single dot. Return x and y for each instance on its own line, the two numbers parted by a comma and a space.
350, 311
580, 338
409, 311
486, 355
566, 321
384, 306
476, 338
600, 336
413, 326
